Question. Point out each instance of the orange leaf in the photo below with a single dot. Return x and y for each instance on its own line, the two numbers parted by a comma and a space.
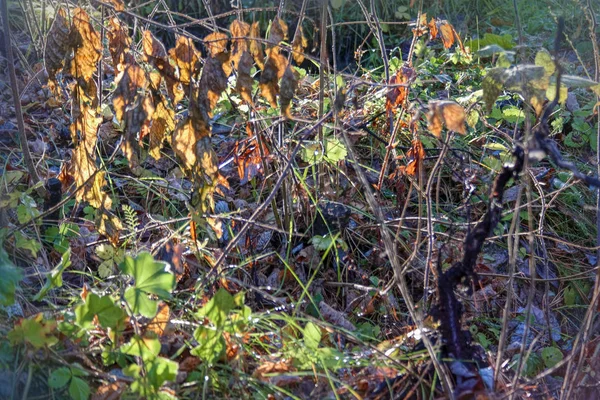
216, 43
119, 44
186, 58
163, 122
159, 323
433, 30
248, 157
255, 46
416, 154
239, 32
110, 391
398, 95
212, 83
87, 45
298, 45
448, 113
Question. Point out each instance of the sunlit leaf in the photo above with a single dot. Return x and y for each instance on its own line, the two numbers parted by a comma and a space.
447, 113
54, 278
255, 47
289, 83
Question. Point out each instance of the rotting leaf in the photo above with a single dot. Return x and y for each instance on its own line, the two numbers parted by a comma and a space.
289, 83
448, 113
397, 96
298, 46
239, 32
416, 154
155, 54
278, 32
212, 83
87, 45
274, 69
163, 122
186, 58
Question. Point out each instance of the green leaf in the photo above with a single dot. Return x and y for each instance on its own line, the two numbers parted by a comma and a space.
11, 276
109, 314
54, 279
217, 308
544, 60
145, 348
25, 243
336, 4
551, 356
322, 243
335, 150
578, 82
505, 41
211, 344
161, 370
151, 278
312, 336
59, 377
35, 331
79, 389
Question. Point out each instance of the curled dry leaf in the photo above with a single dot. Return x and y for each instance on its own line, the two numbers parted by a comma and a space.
449, 35
156, 55
119, 44
87, 45
335, 317
298, 46
244, 79
185, 137
110, 391
208, 162
433, 29
279, 32
117, 4
57, 44
448, 113
289, 83
256, 46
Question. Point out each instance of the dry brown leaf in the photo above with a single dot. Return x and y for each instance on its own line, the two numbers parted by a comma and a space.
155, 54
274, 69
256, 46
448, 113
208, 162
248, 157
107, 223
184, 140
84, 112
272, 367
117, 4
244, 79
416, 154
335, 317
187, 59
82, 167
449, 35
212, 83
110, 391
433, 29
87, 45
289, 83
119, 44
57, 44
163, 123
298, 45
160, 321
399, 95
239, 44
278, 32
216, 43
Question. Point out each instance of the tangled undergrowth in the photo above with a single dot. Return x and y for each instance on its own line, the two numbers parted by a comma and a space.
223, 207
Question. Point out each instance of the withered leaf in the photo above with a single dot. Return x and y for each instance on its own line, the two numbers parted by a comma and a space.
216, 43
57, 44
239, 32
274, 69
448, 113
397, 96
163, 122
212, 83
160, 321
184, 140
117, 4
416, 155
256, 46
85, 114
119, 44
87, 45
208, 162
108, 224
248, 157
449, 35
244, 79
155, 54
298, 45
187, 58
278, 32
289, 83
83, 167
433, 30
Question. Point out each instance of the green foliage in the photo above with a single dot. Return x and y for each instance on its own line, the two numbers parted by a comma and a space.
54, 278
551, 356
333, 152
11, 276
506, 42
71, 376
34, 331
111, 257
151, 278
61, 236
109, 314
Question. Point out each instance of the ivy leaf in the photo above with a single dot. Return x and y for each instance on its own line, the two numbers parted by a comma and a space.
54, 279
151, 278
